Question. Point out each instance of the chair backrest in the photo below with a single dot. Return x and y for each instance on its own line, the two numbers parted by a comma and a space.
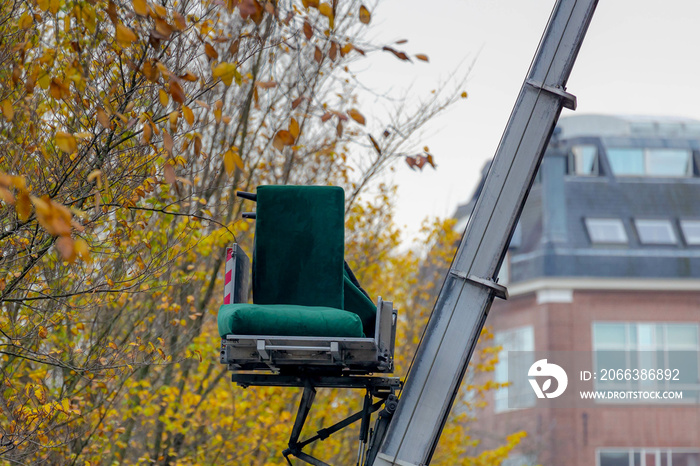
299, 246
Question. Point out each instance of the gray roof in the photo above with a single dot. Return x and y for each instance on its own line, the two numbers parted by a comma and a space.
553, 238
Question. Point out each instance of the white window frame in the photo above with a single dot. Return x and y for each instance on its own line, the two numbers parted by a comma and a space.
577, 160
641, 224
593, 223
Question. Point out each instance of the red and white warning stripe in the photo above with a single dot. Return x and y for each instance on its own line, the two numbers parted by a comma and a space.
228, 285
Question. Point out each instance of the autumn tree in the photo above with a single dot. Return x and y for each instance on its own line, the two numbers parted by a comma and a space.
126, 128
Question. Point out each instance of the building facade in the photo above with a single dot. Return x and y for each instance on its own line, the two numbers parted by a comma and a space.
605, 260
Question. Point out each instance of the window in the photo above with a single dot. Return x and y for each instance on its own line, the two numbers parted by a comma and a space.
691, 231
649, 457
517, 339
584, 160
649, 345
606, 230
655, 232
650, 162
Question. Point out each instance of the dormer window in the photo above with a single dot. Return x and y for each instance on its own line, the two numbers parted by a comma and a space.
655, 232
662, 162
606, 231
583, 160
691, 232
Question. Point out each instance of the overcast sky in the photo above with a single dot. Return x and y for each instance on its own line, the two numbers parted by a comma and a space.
640, 57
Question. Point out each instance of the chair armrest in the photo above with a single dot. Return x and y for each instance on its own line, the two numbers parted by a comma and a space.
237, 275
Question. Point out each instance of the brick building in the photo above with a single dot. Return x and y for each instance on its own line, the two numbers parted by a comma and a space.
606, 260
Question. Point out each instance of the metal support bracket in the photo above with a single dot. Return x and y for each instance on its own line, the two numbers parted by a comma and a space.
499, 291
568, 100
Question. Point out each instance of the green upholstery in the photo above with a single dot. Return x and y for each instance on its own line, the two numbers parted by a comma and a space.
357, 303
287, 319
300, 286
299, 246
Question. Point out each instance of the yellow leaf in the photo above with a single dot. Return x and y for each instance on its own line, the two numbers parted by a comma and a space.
141, 7
163, 96
326, 10
225, 71
65, 142
365, 16
82, 249
229, 163
43, 332
125, 36
7, 110
294, 128
187, 113
464, 95
172, 118
43, 4
357, 116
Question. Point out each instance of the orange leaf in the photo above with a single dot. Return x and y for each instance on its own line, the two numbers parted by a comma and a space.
318, 55
167, 141
374, 143
103, 118
266, 84
163, 97
210, 51
177, 92
187, 113
308, 30
365, 16
147, 132
357, 116
282, 138
23, 206
422, 57
65, 246
400, 55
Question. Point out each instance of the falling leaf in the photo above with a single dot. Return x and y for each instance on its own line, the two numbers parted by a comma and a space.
463, 95
266, 84
400, 55
169, 173
294, 128
187, 113
66, 142
167, 141
176, 92
7, 111
422, 57
224, 71
141, 7
282, 138
210, 51
430, 160
23, 206
357, 116
82, 249
308, 30
365, 16
65, 246
374, 143
125, 36
147, 133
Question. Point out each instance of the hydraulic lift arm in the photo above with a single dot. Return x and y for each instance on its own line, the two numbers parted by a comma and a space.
470, 287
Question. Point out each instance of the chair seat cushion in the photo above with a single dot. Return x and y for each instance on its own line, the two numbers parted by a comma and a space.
287, 320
